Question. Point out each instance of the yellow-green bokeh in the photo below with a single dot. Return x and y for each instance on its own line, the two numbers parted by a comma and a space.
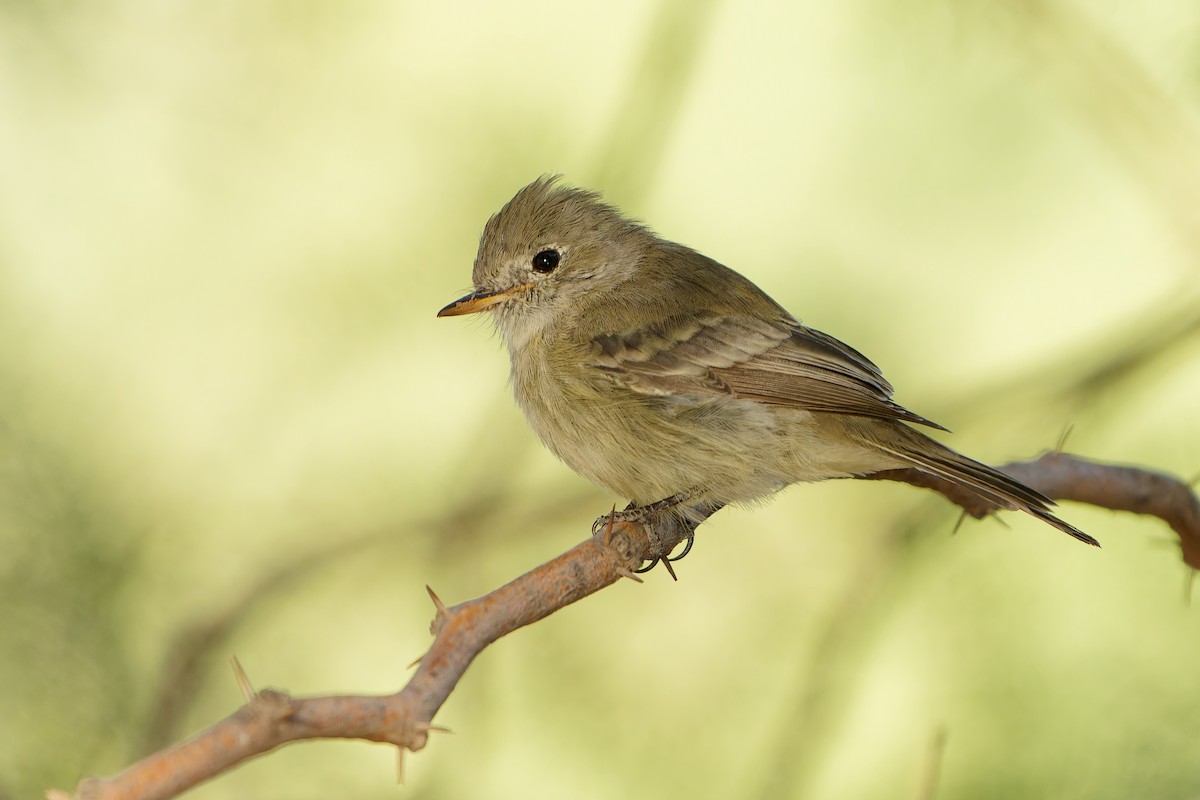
230, 423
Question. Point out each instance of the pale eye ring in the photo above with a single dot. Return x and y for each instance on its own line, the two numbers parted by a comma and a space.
546, 261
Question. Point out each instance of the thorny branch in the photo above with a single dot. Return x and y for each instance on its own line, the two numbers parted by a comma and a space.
271, 718
1060, 476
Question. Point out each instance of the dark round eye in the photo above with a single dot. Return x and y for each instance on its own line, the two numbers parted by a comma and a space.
545, 261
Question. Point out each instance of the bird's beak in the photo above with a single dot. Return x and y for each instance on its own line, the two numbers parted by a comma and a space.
480, 301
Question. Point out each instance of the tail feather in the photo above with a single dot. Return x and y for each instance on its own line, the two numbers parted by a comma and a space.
1004, 491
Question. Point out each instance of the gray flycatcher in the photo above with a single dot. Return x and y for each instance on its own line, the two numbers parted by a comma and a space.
657, 373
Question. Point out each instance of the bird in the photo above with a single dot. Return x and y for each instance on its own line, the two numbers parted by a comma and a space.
668, 378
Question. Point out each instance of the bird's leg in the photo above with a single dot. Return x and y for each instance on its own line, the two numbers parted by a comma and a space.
640, 514
687, 517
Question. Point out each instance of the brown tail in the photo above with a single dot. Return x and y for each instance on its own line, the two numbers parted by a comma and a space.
931, 456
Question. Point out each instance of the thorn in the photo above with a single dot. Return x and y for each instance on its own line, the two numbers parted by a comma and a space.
666, 562
243, 680
437, 601
624, 573
418, 660
608, 528
441, 615
429, 727
400, 766
1062, 438
961, 518
1189, 580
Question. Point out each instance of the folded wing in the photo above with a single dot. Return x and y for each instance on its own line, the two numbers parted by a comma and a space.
780, 363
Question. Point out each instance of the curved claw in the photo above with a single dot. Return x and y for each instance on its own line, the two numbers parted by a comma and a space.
646, 568
668, 560
686, 549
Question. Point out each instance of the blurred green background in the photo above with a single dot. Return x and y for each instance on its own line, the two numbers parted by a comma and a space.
230, 423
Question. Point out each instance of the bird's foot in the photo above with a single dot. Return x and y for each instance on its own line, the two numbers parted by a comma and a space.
649, 516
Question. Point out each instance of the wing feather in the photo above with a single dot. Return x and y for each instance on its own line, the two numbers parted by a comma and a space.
737, 355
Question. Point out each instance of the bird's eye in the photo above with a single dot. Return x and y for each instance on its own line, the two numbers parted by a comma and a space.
545, 261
